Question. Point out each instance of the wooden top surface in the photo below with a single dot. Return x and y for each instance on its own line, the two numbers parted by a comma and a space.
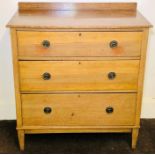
78, 15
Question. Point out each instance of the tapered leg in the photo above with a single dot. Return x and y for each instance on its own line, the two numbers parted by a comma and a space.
21, 139
134, 137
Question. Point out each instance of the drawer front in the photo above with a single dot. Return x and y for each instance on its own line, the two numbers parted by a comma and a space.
79, 43
78, 76
78, 109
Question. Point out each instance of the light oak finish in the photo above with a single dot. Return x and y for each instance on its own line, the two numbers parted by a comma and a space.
79, 60
78, 15
16, 76
21, 135
23, 6
78, 75
79, 20
64, 128
81, 130
141, 75
78, 110
69, 44
134, 137
51, 58
21, 139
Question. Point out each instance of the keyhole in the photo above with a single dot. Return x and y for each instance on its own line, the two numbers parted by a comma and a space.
80, 34
72, 114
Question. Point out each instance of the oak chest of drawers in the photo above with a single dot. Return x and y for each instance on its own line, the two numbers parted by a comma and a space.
78, 67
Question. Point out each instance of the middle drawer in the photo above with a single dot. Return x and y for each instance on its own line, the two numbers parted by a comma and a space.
115, 75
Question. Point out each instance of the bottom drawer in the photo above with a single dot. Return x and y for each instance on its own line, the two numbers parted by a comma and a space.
78, 109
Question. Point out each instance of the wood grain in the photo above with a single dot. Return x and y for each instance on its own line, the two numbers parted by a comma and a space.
23, 6
79, 61
63, 128
141, 76
69, 44
21, 139
21, 133
135, 133
76, 130
81, 110
60, 58
16, 76
78, 75
87, 20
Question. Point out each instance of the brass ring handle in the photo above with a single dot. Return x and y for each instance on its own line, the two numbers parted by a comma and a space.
46, 44
111, 75
47, 110
113, 44
109, 110
46, 76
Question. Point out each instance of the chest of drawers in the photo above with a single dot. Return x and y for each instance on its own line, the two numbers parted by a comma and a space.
78, 67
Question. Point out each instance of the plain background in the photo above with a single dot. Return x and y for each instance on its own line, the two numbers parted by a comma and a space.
7, 99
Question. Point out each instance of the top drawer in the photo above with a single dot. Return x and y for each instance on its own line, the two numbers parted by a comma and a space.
43, 44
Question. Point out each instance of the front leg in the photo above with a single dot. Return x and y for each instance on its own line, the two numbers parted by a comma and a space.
135, 133
21, 139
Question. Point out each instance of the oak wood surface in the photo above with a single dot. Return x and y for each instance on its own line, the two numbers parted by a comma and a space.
78, 15
134, 29
78, 20
60, 58
69, 44
21, 139
78, 75
32, 6
135, 133
79, 86
81, 110
78, 130
16, 76
75, 92
141, 76
63, 128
